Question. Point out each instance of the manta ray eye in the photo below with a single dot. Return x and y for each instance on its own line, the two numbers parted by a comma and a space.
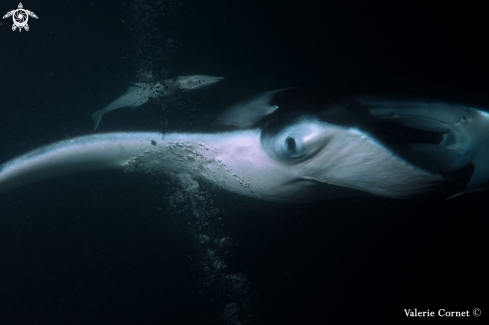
297, 142
291, 143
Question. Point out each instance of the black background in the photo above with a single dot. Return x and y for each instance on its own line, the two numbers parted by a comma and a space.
100, 248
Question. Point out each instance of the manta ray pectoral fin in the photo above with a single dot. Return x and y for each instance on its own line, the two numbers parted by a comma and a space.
82, 154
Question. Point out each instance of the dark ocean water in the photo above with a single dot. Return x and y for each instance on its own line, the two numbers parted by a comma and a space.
114, 248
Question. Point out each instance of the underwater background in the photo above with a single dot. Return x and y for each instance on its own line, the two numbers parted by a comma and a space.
115, 248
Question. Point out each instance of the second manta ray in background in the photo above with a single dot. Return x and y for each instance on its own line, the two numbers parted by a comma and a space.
295, 145
140, 93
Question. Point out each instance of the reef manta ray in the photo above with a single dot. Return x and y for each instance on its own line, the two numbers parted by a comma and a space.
294, 145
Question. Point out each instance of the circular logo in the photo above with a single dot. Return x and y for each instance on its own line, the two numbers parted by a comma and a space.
477, 312
20, 17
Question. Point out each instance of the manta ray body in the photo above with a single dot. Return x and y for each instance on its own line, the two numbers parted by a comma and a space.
295, 145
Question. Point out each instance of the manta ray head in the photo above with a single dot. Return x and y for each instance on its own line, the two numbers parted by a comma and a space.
320, 158
318, 146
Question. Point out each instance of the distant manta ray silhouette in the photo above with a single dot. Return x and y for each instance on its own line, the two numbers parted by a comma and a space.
140, 93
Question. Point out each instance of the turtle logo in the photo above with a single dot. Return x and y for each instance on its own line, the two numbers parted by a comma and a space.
20, 17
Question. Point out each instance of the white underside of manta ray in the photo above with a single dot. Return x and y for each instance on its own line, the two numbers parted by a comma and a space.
294, 145
140, 93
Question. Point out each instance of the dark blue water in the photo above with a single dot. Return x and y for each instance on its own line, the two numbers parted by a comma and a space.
114, 248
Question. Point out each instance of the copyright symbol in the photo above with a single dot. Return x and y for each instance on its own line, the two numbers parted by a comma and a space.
477, 312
